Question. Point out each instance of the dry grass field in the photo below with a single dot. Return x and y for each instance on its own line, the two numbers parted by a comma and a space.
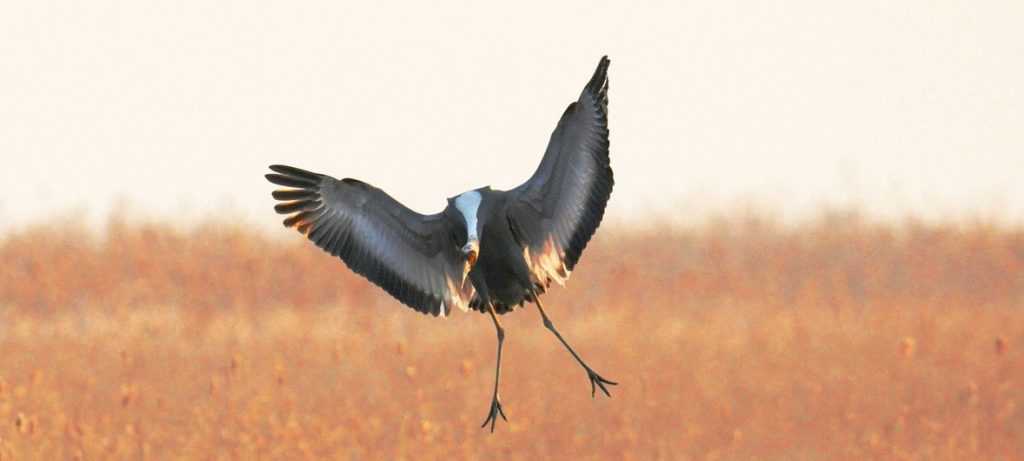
739, 338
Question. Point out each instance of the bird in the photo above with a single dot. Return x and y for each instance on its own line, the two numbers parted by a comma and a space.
488, 250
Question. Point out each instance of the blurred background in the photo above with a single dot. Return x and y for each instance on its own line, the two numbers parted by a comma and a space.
814, 248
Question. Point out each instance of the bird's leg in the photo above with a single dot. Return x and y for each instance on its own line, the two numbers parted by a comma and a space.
595, 379
492, 416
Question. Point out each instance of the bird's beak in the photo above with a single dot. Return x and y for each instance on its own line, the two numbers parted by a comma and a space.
470, 253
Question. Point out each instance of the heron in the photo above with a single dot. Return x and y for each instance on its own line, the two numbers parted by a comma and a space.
488, 250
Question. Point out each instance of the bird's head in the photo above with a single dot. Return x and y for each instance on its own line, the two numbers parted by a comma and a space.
466, 208
470, 251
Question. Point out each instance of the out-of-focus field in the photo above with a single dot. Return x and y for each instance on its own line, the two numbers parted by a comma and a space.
738, 338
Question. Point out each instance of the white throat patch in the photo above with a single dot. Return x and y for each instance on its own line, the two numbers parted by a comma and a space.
468, 204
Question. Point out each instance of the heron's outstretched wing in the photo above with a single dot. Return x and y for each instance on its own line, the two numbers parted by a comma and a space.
409, 255
556, 211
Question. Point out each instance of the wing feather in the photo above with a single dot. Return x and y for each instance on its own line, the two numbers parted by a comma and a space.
408, 254
556, 212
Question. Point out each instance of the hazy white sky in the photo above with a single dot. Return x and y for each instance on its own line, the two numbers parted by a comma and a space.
177, 107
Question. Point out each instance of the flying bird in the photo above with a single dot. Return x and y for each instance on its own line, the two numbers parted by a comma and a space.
488, 250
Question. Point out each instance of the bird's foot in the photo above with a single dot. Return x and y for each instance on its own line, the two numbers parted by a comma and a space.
597, 381
492, 417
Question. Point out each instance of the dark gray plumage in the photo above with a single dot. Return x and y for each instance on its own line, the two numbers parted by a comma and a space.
407, 254
488, 250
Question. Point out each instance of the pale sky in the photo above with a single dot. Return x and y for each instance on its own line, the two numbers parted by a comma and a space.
176, 108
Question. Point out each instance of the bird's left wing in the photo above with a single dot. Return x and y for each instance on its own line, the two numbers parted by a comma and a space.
555, 212
410, 255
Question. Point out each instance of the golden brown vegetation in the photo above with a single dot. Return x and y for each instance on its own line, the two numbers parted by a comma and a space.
740, 338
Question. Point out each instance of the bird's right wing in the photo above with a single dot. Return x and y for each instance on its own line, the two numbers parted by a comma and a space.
409, 255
